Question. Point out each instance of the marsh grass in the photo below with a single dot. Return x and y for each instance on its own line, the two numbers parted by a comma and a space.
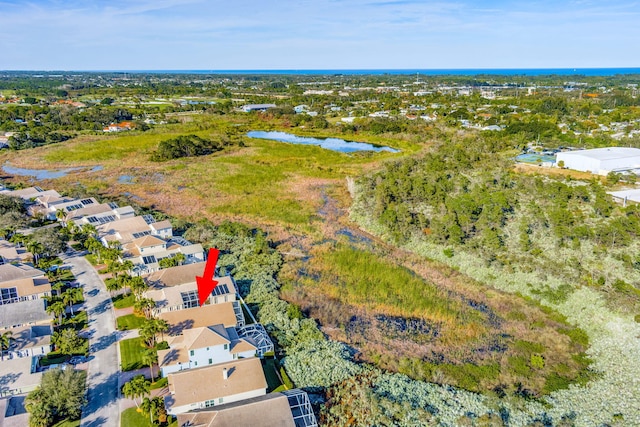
255, 179
360, 277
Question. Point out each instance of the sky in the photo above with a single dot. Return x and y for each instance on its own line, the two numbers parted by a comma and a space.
317, 34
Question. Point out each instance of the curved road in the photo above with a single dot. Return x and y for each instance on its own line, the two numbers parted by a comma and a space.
102, 408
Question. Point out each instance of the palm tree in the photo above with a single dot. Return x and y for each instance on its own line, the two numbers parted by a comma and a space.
138, 286
7, 232
148, 331
58, 288
161, 326
149, 357
126, 266
144, 306
61, 215
137, 387
152, 406
180, 258
57, 309
18, 239
5, 342
89, 230
36, 249
71, 296
113, 285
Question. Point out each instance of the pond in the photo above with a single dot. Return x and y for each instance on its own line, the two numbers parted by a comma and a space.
125, 179
335, 144
40, 174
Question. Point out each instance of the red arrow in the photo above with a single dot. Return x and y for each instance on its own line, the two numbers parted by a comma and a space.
206, 284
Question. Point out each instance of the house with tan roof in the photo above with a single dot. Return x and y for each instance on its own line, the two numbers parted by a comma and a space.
11, 253
172, 276
228, 314
20, 375
100, 213
291, 408
49, 205
180, 297
175, 288
18, 271
29, 341
30, 193
124, 230
22, 289
214, 385
145, 242
264, 411
203, 346
146, 252
162, 229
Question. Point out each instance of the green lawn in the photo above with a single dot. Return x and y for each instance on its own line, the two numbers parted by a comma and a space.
162, 382
123, 301
273, 381
131, 354
132, 418
129, 321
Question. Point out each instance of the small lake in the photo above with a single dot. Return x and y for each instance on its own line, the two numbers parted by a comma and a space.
334, 144
40, 174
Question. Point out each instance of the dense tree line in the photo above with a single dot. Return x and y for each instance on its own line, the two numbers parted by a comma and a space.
465, 194
186, 146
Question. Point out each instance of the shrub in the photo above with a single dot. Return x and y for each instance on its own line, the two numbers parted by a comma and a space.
185, 146
537, 361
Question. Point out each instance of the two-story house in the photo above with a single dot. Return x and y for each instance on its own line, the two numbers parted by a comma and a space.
10, 253
22, 289
175, 288
98, 214
147, 251
229, 314
204, 346
291, 408
214, 385
49, 205
29, 341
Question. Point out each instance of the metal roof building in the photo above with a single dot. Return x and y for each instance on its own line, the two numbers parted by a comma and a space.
602, 161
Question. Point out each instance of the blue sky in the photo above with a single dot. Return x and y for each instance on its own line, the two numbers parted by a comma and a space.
317, 34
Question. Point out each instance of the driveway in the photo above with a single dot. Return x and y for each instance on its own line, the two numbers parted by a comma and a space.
102, 408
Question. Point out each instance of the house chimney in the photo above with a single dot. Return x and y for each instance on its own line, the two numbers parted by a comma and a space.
225, 375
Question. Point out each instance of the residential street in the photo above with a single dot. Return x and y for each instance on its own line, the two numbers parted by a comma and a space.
102, 408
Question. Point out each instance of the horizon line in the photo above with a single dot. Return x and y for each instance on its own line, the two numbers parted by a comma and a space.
324, 69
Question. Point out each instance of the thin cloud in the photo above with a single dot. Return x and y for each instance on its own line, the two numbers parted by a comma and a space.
206, 34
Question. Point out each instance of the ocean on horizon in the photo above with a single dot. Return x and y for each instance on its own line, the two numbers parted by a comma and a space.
585, 72
423, 71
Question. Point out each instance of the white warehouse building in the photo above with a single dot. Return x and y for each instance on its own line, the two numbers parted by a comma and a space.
601, 161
